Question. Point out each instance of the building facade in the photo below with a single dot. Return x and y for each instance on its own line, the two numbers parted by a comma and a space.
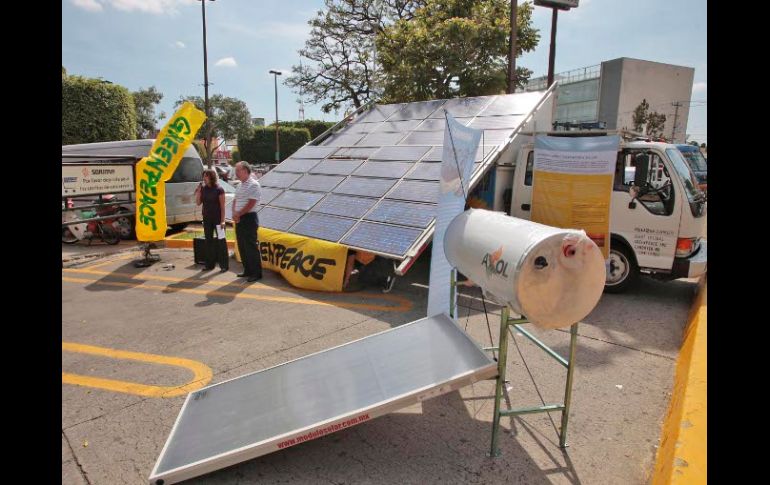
607, 94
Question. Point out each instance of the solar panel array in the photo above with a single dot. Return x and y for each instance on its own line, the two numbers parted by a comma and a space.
373, 184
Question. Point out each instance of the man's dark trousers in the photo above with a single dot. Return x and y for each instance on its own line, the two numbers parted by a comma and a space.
246, 234
216, 249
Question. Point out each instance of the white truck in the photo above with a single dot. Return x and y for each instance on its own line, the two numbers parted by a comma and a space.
657, 211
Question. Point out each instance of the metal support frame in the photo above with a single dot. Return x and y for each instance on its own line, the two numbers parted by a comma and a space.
506, 322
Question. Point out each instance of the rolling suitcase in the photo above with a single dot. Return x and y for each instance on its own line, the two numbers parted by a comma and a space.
199, 250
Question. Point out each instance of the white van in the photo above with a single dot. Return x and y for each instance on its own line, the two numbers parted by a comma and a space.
180, 188
659, 232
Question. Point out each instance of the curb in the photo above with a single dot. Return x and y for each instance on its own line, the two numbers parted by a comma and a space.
681, 456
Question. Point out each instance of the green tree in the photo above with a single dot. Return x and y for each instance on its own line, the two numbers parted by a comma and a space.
452, 48
315, 127
94, 110
229, 118
641, 113
63, 72
258, 144
655, 124
338, 68
145, 101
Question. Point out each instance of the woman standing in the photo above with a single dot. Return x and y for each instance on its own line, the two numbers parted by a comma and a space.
212, 196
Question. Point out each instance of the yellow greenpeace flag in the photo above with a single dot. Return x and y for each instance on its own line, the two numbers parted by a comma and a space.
153, 171
304, 262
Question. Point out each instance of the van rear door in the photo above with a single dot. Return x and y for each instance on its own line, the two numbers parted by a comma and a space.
180, 189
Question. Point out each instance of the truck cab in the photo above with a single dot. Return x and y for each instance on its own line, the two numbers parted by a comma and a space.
657, 212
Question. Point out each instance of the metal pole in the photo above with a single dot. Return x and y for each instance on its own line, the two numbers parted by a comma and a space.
277, 140
676, 116
512, 51
453, 292
568, 387
502, 356
552, 54
207, 140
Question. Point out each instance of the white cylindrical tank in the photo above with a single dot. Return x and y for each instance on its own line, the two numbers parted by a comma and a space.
554, 277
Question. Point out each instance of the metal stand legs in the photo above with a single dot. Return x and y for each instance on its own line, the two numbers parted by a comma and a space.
569, 363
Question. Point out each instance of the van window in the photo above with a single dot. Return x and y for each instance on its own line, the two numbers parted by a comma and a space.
529, 169
657, 195
189, 170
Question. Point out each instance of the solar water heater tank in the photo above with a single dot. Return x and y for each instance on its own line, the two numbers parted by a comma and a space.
552, 276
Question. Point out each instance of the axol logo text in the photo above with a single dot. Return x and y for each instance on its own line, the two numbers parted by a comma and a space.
495, 264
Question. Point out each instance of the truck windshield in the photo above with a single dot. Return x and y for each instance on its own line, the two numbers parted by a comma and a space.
697, 162
694, 195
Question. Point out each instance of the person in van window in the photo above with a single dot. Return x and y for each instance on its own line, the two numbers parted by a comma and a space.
212, 196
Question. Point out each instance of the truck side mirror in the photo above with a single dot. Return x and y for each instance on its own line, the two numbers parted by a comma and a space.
642, 163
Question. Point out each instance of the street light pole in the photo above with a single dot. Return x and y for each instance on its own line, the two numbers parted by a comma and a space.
552, 54
207, 139
512, 52
277, 138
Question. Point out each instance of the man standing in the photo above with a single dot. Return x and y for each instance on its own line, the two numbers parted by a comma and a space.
245, 216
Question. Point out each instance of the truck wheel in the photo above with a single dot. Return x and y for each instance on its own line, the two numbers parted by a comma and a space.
177, 227
623, 270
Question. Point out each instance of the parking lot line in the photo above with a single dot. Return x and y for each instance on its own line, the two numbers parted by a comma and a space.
261, 286
201, 372
406, 305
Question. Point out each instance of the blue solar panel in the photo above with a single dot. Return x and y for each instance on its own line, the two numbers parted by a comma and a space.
415, 190
280, 180
398, 126
379, 139
336, 167
458, 107
268, 194
424, 138
354, 152
368, 187
278, 219
426, 171
293, 199
299, 165
342, 139
417, 111
322, 226
400, 153
318, 183
395, 240
313, 151
497, 122
344, 205
383, 169
378, 113
402, 213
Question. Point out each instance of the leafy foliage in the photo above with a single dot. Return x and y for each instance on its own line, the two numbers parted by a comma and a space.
652, 122
339, 64
452, 48
315, 127
145, 101
94, 110
640, 115
229, 117
258, 144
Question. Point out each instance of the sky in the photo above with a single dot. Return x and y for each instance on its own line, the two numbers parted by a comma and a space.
142, 43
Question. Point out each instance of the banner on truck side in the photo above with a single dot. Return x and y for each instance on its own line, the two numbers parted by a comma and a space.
572, 184
153, 171
303, 262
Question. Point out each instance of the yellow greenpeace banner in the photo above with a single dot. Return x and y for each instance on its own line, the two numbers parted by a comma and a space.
153, 171
304, 262
572, 184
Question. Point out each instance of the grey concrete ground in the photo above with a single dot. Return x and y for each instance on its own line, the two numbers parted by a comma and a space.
626, 355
